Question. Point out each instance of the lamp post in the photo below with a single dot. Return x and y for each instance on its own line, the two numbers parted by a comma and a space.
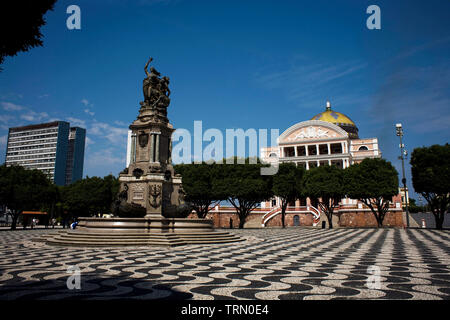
403, 154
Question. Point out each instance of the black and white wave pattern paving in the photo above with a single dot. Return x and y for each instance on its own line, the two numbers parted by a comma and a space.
296, 263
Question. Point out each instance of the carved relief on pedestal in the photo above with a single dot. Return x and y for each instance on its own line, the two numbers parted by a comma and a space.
143, 139
138, 191
154, 193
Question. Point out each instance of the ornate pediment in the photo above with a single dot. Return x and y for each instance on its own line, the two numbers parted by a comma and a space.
312, 130
311, 133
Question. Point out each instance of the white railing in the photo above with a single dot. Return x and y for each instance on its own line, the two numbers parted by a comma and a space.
277, 210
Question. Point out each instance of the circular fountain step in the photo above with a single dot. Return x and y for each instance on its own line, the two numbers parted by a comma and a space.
80, 238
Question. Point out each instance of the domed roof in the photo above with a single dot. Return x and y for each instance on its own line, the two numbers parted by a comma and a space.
338, 119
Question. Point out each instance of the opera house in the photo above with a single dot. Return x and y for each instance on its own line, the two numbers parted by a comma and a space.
329, 138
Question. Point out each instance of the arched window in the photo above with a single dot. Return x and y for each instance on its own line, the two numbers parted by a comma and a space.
272, 155
363, 148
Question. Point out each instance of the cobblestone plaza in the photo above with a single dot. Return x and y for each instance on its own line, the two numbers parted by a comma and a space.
296, 263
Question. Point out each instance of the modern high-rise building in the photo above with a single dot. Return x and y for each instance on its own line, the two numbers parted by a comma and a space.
54, 148
75, 154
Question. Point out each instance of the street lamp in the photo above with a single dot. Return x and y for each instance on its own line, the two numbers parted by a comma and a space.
403, 155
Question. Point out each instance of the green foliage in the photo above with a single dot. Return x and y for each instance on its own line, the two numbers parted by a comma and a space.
374, 182
287, 184
243, 186
430, 168
20, 23
89, 196
22, 190
325, 184
413, 207
372, 178
198, 184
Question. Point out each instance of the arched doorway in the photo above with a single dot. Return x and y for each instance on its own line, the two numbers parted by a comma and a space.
296, 221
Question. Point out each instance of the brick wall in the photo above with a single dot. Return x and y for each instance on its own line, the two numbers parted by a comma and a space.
346, 219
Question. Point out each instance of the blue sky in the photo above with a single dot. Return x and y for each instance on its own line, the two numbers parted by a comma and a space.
236, 64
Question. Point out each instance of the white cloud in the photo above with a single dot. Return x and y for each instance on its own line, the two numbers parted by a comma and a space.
34, 116
44, 96
85, 102
9, 106
121, 123
113, 134
75, 122
302, 81
89, 112
89, 141
3, 140
416, 95
5, 119
105, 157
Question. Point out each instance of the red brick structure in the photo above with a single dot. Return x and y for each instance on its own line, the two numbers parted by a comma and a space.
345, 216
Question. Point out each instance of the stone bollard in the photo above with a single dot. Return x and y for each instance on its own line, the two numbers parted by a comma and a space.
424, 225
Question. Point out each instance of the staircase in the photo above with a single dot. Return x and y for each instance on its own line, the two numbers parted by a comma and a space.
107, 239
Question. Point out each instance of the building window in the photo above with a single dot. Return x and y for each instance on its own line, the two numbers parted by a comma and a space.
296, 220
312, 164
363, 148
312, 151
289, 152
274, 203
323, 149
337, 163
301, 151
272, 155
336, 148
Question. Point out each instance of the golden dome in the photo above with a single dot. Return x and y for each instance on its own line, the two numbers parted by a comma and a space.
338, 119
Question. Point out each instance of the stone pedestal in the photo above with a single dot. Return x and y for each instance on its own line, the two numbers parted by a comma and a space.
150, 178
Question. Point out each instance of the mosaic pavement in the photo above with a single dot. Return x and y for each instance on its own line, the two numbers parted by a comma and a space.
296, 263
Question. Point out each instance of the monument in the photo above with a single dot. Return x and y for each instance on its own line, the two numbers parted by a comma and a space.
150, 181
150, 207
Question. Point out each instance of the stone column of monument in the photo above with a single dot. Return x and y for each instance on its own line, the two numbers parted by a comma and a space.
149, 179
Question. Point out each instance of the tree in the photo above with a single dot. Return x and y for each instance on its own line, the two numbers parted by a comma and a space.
413, 207
430, 168
287, 185
89, 196
325, 184
198, 185
374, 182
20, 23
22, 189
243, 186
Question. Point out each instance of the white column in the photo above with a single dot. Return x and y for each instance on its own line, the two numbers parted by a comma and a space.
295, 151
157, 148
133, 148
307, 165
318, 163
306, 150
150, 147
329, 149
342, 147
329, 162
317, 149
